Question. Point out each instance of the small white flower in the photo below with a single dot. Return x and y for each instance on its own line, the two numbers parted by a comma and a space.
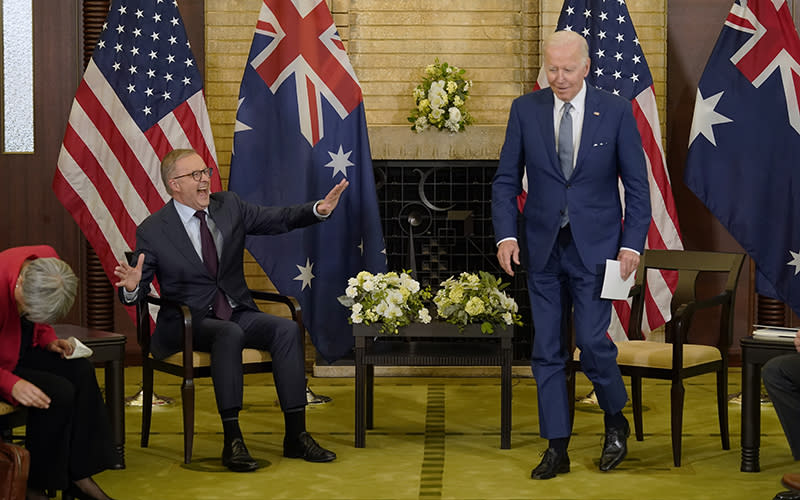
454, 114
424, 315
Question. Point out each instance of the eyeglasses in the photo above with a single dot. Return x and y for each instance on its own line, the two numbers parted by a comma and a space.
198, 174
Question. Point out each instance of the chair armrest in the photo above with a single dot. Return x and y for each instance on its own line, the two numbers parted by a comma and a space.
635, 322
143, 327
682, 317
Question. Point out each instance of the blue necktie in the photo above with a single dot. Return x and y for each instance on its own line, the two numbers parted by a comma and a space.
565, 150
222, 309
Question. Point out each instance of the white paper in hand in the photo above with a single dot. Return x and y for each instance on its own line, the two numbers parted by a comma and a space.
614, 287
79, 349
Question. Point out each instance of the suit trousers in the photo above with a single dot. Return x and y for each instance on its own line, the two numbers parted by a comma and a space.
224, 340
782, 379
71, 439
563, 281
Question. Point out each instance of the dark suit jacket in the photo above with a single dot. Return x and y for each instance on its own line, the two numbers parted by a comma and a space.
610, 148
181, 274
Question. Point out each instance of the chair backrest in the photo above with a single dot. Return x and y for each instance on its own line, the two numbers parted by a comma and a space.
689, 265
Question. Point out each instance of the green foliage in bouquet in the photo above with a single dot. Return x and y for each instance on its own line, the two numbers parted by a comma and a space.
477, 298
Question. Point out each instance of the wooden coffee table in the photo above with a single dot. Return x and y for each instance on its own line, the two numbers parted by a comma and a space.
429, 345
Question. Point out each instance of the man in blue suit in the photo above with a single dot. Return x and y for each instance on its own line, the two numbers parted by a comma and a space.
575, 142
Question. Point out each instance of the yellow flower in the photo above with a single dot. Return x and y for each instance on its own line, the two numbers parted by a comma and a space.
474, 306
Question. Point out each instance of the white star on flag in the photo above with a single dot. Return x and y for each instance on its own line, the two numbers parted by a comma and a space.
239, 126
339, 162
705, 118
795, 261
305, 274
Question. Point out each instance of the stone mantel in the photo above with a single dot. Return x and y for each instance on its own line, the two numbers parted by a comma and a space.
399, 142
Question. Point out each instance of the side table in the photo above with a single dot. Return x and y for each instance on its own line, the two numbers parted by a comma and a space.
427, 346
755, 353
108, 348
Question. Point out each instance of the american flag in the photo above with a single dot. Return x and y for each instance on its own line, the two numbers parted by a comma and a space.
141, 96
619, 66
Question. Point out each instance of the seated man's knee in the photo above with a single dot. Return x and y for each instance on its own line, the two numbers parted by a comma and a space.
771, 372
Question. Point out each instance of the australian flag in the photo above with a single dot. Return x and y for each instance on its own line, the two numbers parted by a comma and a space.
745, 141
300, 129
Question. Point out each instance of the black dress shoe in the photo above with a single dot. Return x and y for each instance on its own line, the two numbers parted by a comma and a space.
615, 447
306, 448
236, 457
788, 495
552, 463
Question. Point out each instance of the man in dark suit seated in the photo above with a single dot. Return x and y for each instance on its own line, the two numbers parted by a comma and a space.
194, 246
575, 142
781, 376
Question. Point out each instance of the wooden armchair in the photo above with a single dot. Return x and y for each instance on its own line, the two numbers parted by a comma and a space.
678, 358
190, 364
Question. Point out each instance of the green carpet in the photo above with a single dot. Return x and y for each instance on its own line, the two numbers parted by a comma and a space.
439, 438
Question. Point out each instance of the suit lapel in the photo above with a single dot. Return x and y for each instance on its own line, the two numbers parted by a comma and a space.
175, 233
544, 113
592, 117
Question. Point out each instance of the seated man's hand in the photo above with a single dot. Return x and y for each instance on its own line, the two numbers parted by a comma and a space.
331, 199
129, 277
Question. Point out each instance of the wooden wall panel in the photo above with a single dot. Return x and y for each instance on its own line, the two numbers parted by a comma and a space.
31, 213
693, 28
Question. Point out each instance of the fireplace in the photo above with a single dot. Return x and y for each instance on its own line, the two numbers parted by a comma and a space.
443, 209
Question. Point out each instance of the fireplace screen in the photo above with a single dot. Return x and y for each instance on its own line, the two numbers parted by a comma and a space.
437, 221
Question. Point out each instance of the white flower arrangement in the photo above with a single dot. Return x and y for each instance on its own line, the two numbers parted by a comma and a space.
476, 299
440, 99
391, 299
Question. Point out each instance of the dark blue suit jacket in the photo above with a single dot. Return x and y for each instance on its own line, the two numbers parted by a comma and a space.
610, 148
182, 276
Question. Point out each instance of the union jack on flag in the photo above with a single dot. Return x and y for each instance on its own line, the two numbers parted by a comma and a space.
745, 141
618, 65
141, 96
302, 41
300, 129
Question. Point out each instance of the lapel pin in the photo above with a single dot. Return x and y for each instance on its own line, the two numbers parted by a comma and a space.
596, 113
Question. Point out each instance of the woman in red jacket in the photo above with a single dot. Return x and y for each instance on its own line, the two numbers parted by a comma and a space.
68, 432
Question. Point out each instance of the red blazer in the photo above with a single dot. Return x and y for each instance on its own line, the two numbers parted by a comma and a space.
11, 261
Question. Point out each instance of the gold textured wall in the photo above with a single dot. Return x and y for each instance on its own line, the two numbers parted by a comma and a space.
390, 41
